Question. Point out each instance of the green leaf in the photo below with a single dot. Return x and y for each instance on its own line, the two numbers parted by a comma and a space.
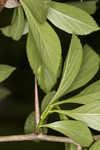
88, 95
67, 146
43, 62
5, 72
70, 147
16, 29
76, 130
89, 68
75, 22
4, 92
46, 100
94, 88
89, 113
39, 8
95, 146
42, 51
71, 67
29, 125
88, 6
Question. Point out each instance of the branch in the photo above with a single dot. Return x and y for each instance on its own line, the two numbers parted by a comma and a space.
37, 111
39, 137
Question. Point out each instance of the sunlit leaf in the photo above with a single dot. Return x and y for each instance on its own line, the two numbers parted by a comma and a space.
75, 22
39, 8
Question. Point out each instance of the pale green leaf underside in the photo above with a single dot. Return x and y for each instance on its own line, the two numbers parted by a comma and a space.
88, 95
16, 29
71, 67
5, 72
43, 47
39, 8
89, 67
74, 22
95, 146
88, 6
84, 99
40, 60
89, 113
46, 78
76, 130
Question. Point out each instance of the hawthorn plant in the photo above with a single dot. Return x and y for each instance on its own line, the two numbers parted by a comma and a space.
37, 19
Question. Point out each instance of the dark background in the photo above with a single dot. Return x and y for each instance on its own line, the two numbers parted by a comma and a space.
16, 107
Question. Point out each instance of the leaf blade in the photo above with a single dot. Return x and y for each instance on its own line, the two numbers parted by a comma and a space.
5, 72
43, 37
76, 130
88, 6
74, 22
88, 95
41, 5
89, 113
95, 146
16, 29
89, 67
71, 67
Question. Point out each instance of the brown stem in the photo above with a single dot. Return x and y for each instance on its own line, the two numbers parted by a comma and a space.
37, 111
39, 137
96, 137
